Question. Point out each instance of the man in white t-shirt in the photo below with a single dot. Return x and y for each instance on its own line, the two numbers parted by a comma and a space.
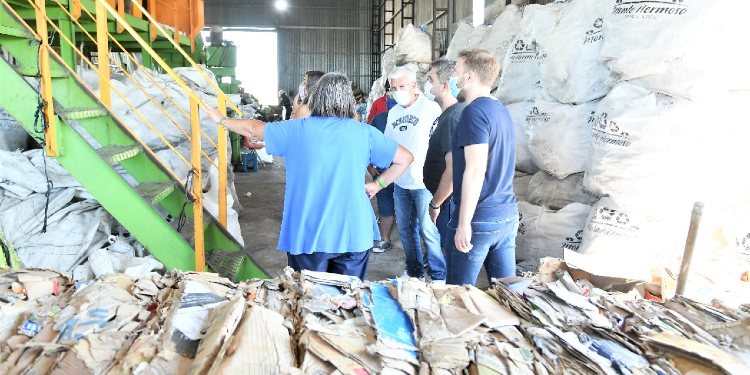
410, 123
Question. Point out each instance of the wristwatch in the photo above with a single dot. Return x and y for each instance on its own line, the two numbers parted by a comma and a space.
433, 207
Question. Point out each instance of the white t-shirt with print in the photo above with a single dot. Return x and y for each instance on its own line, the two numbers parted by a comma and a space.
411, 127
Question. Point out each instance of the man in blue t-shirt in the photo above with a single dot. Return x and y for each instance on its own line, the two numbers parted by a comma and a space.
486, 215
328, 223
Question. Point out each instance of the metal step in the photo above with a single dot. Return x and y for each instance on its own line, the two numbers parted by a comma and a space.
32, 71
226, 263
13, 32
115, 154
81, 113
154, 192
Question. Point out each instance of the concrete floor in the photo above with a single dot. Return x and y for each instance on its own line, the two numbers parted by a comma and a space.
261, 221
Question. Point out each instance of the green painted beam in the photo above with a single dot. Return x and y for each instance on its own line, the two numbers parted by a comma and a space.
53, 12
66, 50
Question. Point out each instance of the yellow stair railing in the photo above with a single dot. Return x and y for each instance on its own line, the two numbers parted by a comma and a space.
101, 39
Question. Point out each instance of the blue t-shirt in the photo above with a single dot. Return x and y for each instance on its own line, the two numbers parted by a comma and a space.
486, 121
326, 208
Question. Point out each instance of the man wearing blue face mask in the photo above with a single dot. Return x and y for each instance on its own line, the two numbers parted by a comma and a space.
410, 123
438, 165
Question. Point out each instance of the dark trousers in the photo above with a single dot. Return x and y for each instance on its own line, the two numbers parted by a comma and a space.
351, 264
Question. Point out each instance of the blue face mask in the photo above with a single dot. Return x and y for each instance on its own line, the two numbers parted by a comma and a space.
390, 103
453, 85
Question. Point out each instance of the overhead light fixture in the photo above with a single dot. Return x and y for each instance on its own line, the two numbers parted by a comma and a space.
281, 5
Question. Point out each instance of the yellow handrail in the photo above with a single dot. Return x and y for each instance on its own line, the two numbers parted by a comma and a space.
168, 70
141, 88
119, 94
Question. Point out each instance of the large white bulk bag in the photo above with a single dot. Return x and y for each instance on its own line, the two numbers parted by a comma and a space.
629, 241
686, 48
571, 71
520, 75
465, 37
547, 233
499, 37
521, 186
547, 190
413, 45
642, 145
560, 136
518, 112
12, 136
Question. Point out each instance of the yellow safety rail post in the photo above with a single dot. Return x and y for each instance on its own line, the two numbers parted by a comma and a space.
222, 164
45, 79
200, 257
76, 10
136, 11
102, 49
121, 12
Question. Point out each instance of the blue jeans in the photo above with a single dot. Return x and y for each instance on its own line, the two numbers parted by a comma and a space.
443, 219
412, 211
494, 246
385, 201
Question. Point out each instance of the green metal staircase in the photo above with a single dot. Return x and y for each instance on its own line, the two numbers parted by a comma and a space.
92, 141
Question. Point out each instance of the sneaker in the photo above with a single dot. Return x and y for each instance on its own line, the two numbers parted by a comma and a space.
381, 246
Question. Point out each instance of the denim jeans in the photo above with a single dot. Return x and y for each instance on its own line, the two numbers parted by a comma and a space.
493, 242
443, 219
412, 210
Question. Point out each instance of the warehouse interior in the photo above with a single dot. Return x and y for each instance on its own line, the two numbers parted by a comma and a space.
149, 217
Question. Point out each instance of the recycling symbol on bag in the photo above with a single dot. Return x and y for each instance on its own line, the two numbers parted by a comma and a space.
578, 237
520, 45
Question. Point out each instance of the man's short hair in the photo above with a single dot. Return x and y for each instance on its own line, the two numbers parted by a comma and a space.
482, 63
444, 69
332, 97
403, 72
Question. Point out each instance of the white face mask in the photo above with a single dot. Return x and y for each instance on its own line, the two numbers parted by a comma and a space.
403, 98
428, 90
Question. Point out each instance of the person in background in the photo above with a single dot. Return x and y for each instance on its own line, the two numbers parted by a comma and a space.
361, 101
300, 107
285, 103
410, 123
328, 223
382, 103
386, 205
484, 158
438, 165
